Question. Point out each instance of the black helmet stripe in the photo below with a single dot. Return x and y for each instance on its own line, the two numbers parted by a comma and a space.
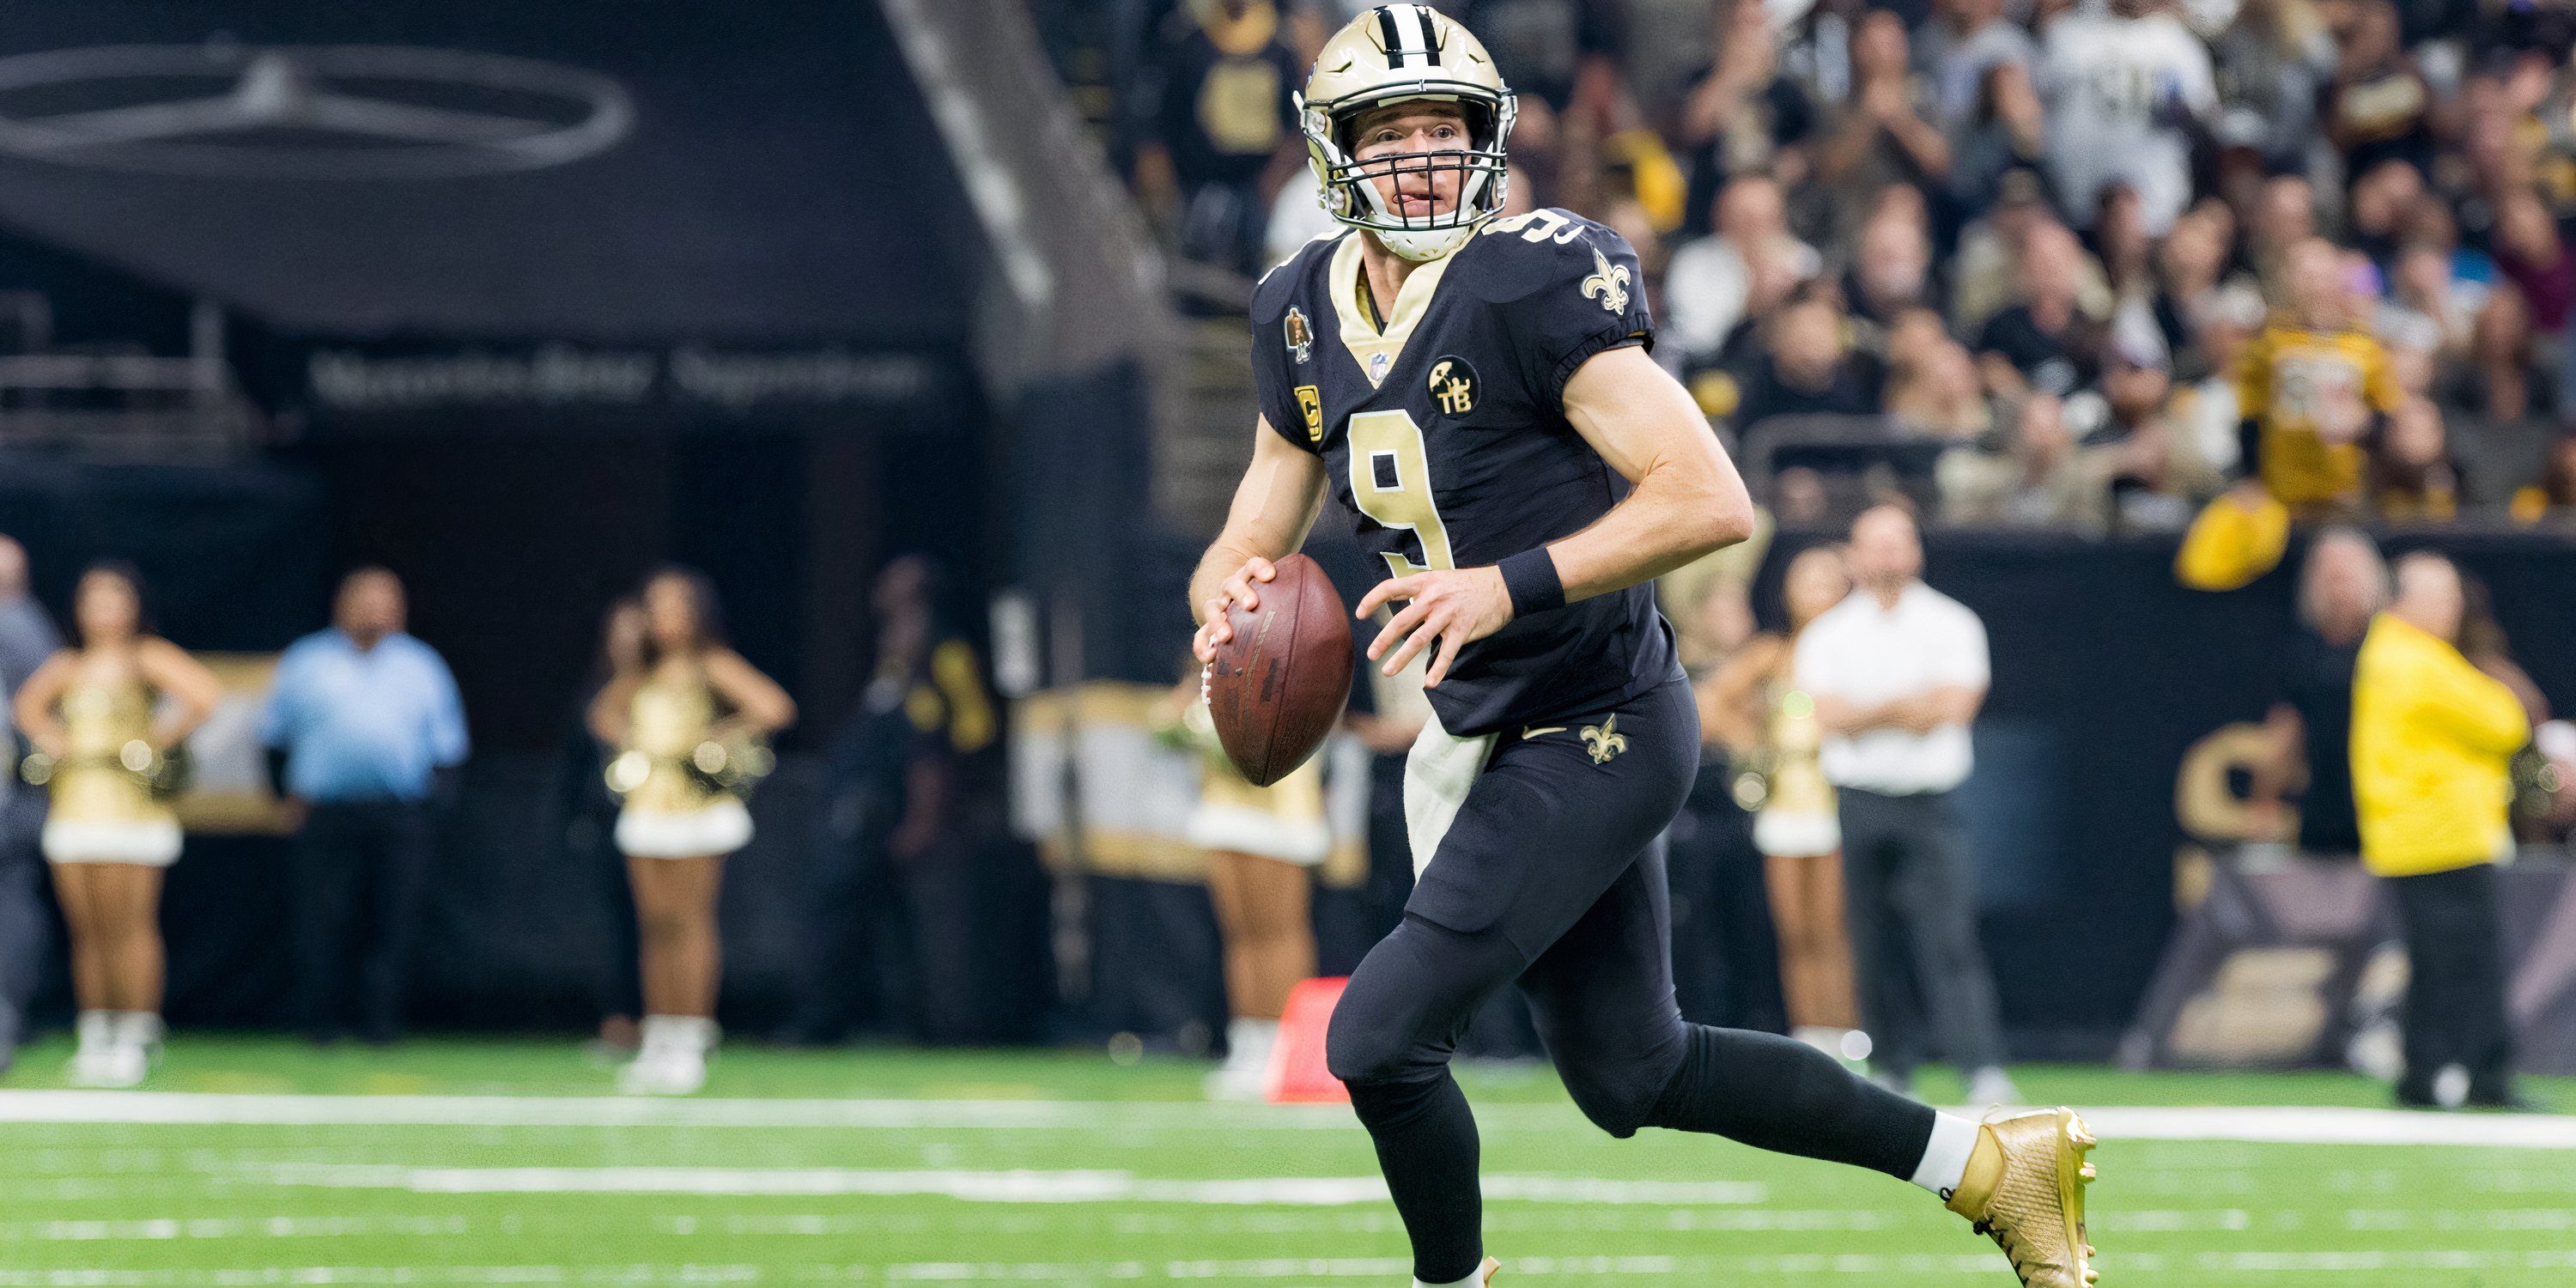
1406, 31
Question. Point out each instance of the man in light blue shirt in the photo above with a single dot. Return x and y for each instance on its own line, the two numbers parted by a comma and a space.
360, 722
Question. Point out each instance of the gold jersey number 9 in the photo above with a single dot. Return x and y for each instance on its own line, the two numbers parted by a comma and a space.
1391, 483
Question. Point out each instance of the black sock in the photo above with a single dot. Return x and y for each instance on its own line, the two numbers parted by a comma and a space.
1426, 1145
1773, 1093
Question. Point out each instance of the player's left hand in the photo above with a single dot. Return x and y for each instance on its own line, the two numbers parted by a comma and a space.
1450, 608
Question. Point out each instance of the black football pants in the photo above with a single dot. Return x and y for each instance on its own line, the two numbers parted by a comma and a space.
2455, 1012
1551, 874
1910, 895
358, 865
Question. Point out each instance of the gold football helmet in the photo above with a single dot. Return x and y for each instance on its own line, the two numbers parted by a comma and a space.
1398, 53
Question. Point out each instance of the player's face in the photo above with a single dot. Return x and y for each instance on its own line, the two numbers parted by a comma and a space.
1392, 134
106, 607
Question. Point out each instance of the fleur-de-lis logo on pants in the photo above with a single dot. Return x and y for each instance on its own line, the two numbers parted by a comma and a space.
1608, 285
1605, 740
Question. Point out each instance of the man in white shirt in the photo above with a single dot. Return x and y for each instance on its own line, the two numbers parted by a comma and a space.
1898, 671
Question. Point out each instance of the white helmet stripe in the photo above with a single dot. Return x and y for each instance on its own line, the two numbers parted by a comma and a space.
1408, 35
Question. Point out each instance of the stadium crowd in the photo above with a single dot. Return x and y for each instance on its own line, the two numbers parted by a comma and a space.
2084, 266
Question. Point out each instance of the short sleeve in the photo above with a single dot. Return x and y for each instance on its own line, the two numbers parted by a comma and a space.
2199, 83
1273, 392
276, 712
447, 739
1963, 650
1585, 293
1811, 661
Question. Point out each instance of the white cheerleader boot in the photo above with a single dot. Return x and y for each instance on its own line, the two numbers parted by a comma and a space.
1246, 1072
93, 1062
136, 1046
673, 1061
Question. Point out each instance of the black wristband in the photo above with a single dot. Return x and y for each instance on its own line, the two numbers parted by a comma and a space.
1531, 578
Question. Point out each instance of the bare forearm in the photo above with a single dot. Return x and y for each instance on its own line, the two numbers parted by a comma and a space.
1667, 521
1845, 717
1273, 508
1953, 704
1931, 152
1711, 110
1224, 555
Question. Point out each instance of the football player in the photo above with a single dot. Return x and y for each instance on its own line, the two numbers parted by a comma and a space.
1478, 392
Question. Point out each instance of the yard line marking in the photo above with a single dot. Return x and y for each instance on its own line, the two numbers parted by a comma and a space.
155, 1229
213, 1109
2328, 1126
977, 1187
1793, 1266
2303, 1125
1796, 1267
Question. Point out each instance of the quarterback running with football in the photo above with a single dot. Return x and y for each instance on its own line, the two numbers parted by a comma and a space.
1477, 391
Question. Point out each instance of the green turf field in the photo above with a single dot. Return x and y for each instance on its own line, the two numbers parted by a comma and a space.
504, 1163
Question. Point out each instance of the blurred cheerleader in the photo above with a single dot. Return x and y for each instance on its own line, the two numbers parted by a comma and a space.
1771, 726
689, 717
1262, 846
112, 766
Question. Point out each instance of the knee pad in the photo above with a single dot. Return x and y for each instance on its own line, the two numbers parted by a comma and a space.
1362, 1044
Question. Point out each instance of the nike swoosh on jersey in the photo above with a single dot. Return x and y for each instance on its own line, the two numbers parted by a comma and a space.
1535, 730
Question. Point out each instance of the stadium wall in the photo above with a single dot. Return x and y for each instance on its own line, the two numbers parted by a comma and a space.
2108, 675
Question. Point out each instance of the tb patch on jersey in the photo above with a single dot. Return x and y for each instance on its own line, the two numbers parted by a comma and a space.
1453, 386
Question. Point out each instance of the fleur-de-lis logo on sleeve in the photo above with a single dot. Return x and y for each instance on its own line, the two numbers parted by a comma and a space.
1604, 740
1608, 284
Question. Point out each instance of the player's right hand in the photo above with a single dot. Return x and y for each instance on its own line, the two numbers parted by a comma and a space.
1215, 627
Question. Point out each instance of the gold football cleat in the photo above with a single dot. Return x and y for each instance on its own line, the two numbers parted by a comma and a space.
2033, 1207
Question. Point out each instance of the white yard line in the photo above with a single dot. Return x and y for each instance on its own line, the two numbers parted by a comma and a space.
1799, 1268
2292, 1125
975, 1186
2326, 1126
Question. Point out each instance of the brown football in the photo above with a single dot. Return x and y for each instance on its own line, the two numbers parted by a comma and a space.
1278, 687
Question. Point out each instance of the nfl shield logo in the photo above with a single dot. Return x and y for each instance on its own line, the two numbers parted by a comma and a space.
1377, 367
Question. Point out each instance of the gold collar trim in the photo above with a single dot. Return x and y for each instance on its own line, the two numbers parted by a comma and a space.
1368, 342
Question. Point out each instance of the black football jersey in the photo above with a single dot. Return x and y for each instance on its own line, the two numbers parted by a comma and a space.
1442, 427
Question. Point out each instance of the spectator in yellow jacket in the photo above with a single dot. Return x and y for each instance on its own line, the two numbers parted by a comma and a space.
2432, 739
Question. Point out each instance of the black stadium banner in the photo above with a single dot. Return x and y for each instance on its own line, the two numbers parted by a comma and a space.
347, 380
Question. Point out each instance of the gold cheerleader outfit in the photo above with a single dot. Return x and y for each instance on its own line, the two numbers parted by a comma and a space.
103, 811
669, 812
1797, 819
1284, 821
